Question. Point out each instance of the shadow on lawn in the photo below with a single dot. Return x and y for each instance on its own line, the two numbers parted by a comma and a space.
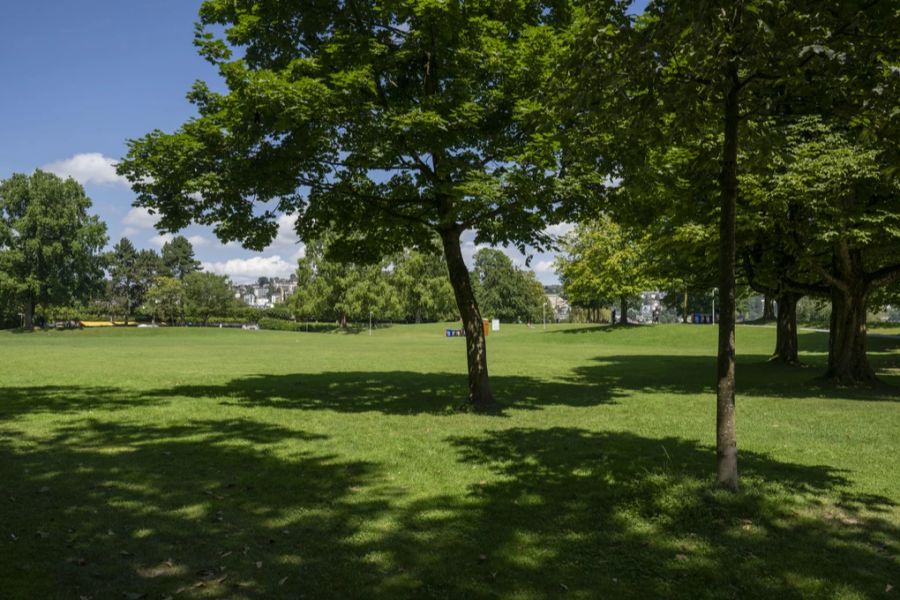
240, 509
619, 515
606, 381
107, 510
60, 399
388, 392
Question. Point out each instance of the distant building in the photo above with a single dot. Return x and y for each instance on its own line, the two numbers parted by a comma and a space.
560, 307
267, 292
651, 303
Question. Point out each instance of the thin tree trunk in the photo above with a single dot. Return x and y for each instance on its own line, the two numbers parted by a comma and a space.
848, 363
623, 305
726, 434
786, 346
684, 307
480, 396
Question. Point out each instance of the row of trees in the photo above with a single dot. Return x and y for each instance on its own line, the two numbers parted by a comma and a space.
52, 259
390, 123
410, 286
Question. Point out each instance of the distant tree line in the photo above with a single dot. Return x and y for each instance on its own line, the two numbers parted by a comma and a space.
52, 263
410, 287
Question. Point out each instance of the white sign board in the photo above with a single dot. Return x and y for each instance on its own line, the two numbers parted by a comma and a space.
495, 325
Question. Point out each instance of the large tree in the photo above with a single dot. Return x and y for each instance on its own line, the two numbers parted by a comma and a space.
844, 239
386, 122
715, 69
49, 244
165, 299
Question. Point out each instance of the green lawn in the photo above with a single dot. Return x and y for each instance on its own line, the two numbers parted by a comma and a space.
239, 464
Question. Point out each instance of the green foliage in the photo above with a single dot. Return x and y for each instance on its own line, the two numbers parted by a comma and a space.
423, 290
165, 300
604, 262
505, 291
178, 258
131, 273
49, 244
206, 294
342, 291
440, 102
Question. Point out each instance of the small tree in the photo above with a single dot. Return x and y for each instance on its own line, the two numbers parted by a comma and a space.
504, 291
124, 284
165, 300
206, 294
178, 258
604, 260
49, 245
420, 279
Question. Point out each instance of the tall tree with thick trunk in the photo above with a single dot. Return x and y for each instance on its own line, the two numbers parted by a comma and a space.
387, 123
846, 236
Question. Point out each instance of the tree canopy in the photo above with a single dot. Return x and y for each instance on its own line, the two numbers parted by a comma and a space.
386, 123
49, 244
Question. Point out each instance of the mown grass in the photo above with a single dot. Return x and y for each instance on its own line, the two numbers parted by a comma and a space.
240, 464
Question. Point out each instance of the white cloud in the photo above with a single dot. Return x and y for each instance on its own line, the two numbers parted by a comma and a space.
89, 167
544, 266
161, 240
140, 218
287, 236
198, 241
560, 229
247, 270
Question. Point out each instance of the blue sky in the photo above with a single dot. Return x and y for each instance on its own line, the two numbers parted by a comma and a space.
80, 78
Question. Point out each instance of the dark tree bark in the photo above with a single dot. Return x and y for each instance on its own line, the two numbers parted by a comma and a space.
480, 396
28, 324
768, 309
726, 435
786, 345
848, 363
623, 305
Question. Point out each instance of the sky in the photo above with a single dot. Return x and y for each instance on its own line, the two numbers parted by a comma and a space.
81, 78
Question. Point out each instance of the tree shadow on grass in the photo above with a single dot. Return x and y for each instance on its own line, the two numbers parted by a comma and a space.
243, 509
61, 399
387, 392
204, 509
615, 376
583, 514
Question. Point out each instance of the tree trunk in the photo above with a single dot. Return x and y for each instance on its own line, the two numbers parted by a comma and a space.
28, 324
768, 309
726, 434
623, 305
786, 346
480, 396
848, 363
684, 307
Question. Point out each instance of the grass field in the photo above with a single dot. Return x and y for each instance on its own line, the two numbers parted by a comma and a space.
239, 464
